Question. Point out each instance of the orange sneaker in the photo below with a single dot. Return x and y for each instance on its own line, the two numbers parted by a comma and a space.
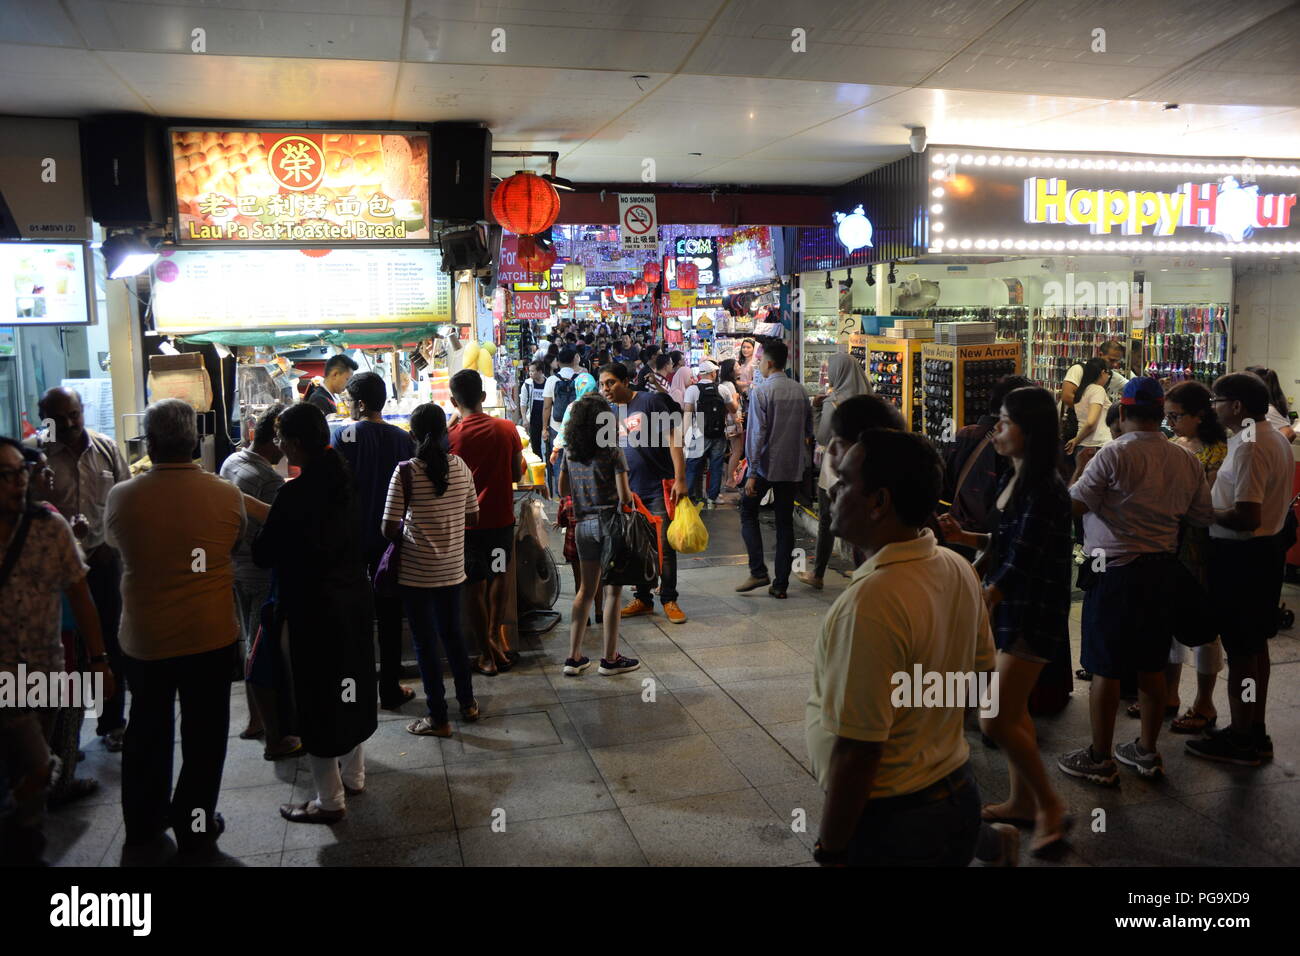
674, 613
638, 608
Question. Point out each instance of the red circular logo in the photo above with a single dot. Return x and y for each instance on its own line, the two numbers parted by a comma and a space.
296, 163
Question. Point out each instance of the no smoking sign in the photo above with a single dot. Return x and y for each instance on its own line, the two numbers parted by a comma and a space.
638, 222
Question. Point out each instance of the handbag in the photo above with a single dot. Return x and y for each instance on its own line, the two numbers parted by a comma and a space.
1195, 621
390, 565
631, 552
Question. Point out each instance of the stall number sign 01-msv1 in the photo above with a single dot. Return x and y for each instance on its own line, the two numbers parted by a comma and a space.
638, 223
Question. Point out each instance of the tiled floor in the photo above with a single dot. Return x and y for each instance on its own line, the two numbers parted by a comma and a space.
703, 765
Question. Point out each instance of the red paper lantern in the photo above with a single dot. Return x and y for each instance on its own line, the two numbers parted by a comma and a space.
651, 272
525, 204
688, 275
540, 258
639, 288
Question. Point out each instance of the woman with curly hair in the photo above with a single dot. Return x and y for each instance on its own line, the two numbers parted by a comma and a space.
594, 474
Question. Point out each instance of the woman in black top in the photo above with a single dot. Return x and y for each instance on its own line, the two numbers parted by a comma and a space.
595, 475
324, 602
1027, 589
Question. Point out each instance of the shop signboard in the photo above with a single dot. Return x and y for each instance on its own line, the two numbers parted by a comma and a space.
42, 193
285, 186
985, 200
745, 257
204, 290
679, 299
532, 306
816, 298
638, 222
44, 283
701, 250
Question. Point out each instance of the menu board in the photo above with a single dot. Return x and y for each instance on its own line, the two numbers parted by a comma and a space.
43, 283
300, 186
217, 290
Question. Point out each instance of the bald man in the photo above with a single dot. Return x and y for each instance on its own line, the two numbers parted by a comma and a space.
86, 465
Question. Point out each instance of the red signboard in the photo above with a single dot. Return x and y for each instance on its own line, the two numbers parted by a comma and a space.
532, 306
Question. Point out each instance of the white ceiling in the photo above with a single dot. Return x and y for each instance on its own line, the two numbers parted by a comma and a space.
722, 79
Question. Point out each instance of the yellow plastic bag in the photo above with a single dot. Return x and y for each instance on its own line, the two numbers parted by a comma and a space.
687, 533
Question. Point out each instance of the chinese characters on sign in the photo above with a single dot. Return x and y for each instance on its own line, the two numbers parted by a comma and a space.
300, 185
638, 222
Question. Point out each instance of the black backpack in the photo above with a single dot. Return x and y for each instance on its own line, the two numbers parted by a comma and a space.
566, 390
712, 409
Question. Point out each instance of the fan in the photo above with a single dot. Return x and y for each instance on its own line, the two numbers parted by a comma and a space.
915, 293
538, 584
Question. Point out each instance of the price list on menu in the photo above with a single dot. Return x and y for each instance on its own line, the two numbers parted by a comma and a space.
210, 290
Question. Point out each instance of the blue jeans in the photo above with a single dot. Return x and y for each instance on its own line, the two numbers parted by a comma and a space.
715, 457
434, 613
783, 492
944, 832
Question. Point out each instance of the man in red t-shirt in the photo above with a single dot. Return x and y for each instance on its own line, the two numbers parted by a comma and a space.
495, 456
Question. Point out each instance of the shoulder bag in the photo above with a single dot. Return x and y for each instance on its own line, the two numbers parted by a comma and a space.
390, 565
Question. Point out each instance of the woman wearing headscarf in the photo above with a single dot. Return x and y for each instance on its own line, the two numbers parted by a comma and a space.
324, 607
846, 380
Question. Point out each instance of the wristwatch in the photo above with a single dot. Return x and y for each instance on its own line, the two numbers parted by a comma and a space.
827, 858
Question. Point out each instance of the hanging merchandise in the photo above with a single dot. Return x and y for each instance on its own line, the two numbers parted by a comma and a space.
526, 204
688, 275
574, 278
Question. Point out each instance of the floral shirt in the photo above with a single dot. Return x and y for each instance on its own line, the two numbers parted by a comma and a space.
32, 596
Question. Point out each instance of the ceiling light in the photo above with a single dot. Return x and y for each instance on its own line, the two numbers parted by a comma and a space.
936, 207
126, 254
893, 274
871, 275
848, 281
829, 284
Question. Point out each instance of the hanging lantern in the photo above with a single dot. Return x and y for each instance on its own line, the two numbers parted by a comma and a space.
525, 204
688, 275
574, 278
639, 288
651, 272
539, 259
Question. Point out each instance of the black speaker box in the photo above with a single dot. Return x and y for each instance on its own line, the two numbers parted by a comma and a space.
125, 169
460, 172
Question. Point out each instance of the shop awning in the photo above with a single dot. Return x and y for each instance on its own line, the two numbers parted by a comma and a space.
345, 338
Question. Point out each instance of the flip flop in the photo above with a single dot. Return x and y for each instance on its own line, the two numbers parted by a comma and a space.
988, 817
1056, 843
424, 727
486, 673
1193, 723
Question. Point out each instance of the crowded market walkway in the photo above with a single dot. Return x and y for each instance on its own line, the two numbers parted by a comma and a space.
712, 772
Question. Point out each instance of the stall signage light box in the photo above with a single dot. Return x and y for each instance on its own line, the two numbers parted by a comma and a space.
44, 283
853, 229
701, 250
984, 201
210, 290
282, 186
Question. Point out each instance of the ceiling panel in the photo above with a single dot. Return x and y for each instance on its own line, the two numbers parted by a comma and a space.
759, 172
177, 84
367, 30
587, 165
44, 24
53, 81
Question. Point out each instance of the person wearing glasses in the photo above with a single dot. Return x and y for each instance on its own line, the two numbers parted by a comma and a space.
40, 564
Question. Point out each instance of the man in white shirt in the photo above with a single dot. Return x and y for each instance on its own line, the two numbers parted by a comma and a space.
1252, 495
553, 411
707, 443
895, 765
1113, 353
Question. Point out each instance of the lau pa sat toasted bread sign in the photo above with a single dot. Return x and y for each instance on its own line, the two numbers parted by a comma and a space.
300, 186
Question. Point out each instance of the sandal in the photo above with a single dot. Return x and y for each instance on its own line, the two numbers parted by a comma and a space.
989, 817
309, 812
1193, 723
425, 727
1054, 843
479, 668
1084, 675
470, 714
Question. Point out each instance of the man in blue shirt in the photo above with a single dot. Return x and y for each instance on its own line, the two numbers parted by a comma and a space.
373, 448
776, 449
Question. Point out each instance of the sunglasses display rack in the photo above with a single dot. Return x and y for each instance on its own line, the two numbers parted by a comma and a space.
1061, 337
1187, 342
894, 368
958, 380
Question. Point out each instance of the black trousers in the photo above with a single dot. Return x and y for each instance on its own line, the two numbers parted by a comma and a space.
105, 582
149, 804
388, 618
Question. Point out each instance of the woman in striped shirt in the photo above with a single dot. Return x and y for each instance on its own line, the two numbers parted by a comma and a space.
431, 500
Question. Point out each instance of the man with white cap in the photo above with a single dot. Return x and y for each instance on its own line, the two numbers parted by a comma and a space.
706, 406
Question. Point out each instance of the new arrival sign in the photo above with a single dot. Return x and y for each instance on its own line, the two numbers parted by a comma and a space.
985, 200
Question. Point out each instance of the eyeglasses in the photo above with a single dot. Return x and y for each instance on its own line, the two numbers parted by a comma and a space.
13, 474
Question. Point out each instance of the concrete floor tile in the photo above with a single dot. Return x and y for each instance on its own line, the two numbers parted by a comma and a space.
622, 720
390, 747
410, 802
508, 732
772, 700
526, 788
583, 839
758, 756
792, 736
1255, 815
800, 802
727, 665
656, 770
713, 709
1163, 833
722, 829
427, 849
81, 835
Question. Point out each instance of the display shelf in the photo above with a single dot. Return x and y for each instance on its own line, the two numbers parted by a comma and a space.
958, 380
1060, 338
893, 367
1187, 341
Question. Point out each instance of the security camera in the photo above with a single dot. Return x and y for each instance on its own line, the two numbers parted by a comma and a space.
917, 139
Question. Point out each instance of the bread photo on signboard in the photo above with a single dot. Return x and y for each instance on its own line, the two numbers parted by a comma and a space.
230, 163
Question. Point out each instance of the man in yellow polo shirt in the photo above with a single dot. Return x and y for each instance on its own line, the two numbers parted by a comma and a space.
908, 634
175, 526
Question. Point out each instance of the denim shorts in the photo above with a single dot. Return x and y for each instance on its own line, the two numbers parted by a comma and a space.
588, 538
